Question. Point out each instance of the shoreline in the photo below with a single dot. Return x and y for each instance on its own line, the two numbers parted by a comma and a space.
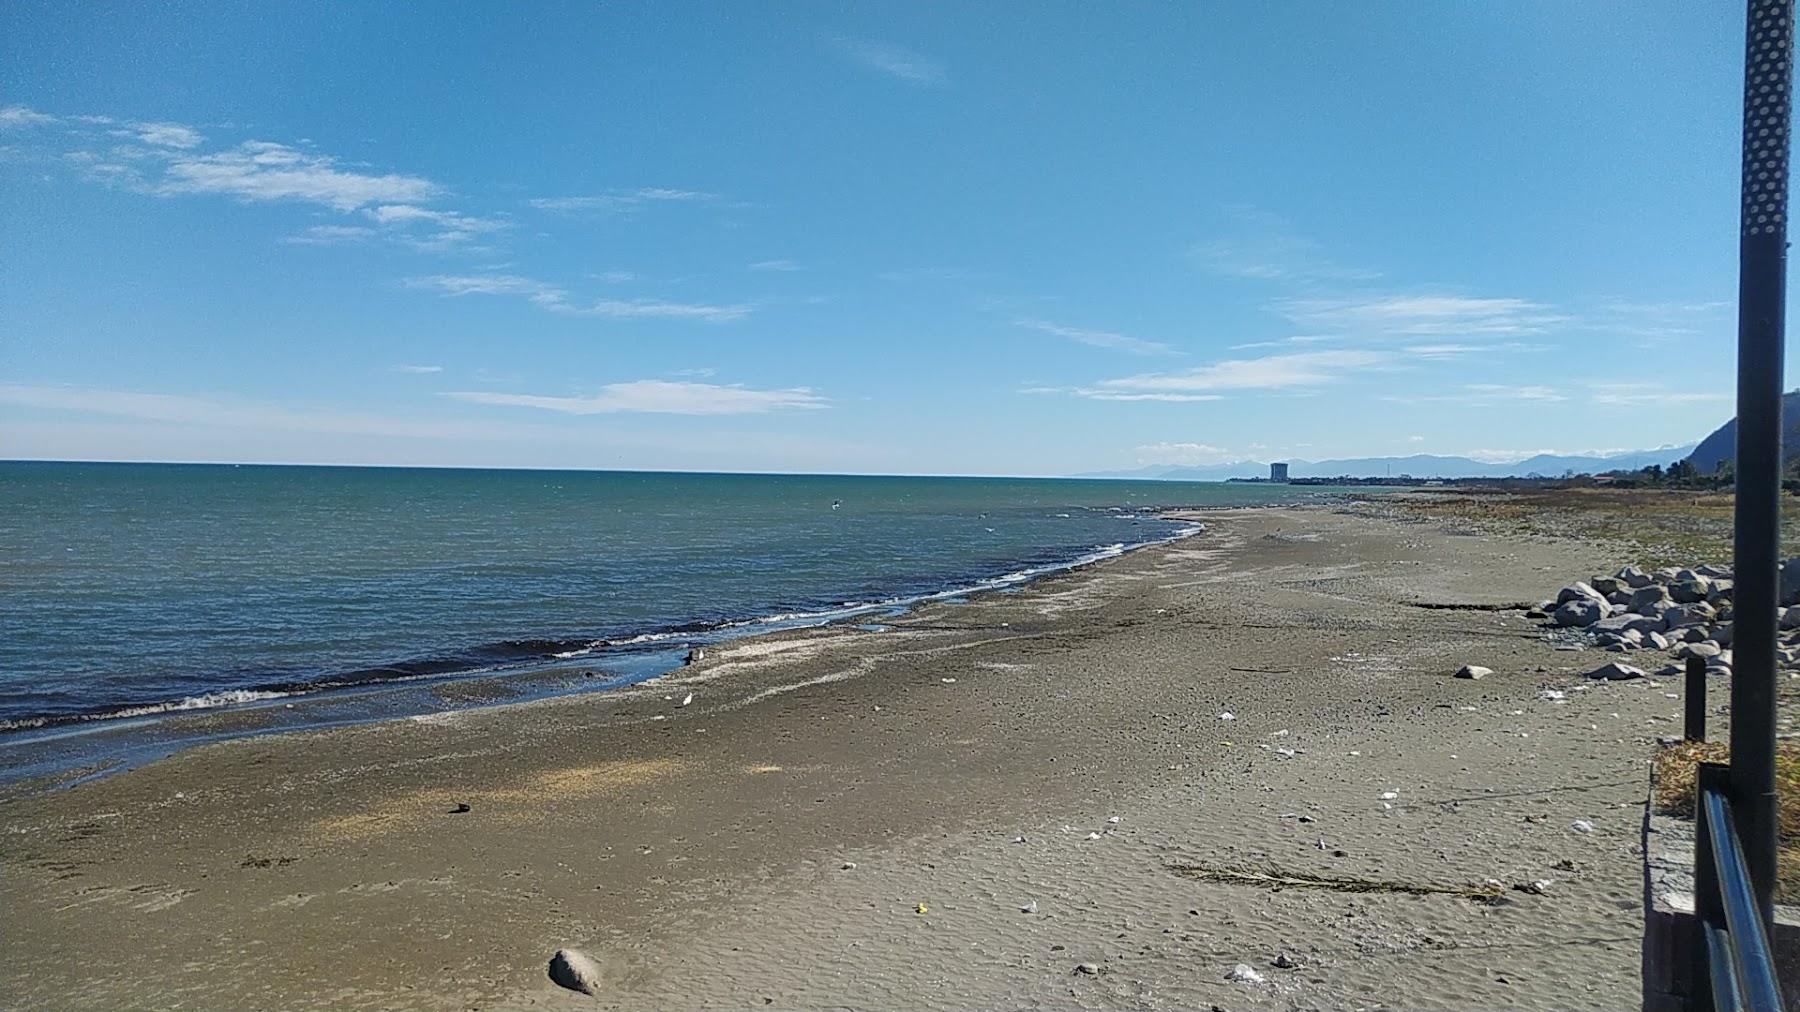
768, 844
48, 749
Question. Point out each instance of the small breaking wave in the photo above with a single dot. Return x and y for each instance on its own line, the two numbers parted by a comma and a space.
205, 701
514, 653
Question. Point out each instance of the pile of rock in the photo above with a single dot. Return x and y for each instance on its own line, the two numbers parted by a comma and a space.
1686, 611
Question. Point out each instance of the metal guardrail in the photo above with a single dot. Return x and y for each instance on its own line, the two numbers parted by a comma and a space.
1736, 958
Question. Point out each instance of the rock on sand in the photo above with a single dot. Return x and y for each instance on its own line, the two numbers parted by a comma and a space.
1613, 671
575, 970
1473, 671
1582, 611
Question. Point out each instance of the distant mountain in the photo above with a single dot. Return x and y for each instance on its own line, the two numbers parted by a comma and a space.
1416, 466
1721, 446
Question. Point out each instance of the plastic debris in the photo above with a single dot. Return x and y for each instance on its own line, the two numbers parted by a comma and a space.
1243, 973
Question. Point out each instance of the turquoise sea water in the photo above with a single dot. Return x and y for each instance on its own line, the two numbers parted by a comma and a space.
132, 589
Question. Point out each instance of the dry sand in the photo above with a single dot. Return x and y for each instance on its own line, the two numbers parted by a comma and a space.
834, 822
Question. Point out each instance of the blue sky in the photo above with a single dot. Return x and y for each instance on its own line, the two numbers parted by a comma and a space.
946, 238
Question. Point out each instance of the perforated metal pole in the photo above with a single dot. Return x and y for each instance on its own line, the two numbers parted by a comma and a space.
1762, 282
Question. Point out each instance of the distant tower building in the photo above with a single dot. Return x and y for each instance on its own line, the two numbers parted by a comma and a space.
1278, 472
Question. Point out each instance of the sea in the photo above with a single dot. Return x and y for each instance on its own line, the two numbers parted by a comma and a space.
129, 591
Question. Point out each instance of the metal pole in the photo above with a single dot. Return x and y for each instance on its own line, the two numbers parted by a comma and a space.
1762, 281
1694, 728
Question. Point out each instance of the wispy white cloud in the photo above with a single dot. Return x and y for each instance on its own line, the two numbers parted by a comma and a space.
1651, 394
658, 308
23, 116
1610, 394
616, 201
266, 171
558, 300
330, 235
895, 61
1654, 323
1480, 395
431, 229
1516, 392
231, 414
1271, 372
1301, 339
164, 135
1421, 315
1263, 247
169, 159
1104, 394
658, 397
457, 285
616, 277
775, 265
1445, 350
419, 370
1097, 338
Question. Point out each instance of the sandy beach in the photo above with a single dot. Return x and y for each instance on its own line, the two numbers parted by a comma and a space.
860, 819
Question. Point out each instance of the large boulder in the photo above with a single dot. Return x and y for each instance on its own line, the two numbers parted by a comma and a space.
1581, 612
1633, 578
1697, 613
1790, 581
1607, 585
1624, 623
1473, 671
1790, 617
1704, 648
1713, 572
1690, 591
1579, 591
1645, 599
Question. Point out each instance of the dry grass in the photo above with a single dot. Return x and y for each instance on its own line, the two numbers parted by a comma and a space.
1658, 526
1676, 794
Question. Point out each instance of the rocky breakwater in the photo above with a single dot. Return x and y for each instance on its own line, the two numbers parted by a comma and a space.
1681, 613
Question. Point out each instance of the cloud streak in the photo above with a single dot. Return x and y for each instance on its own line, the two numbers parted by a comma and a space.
621, 201
167, 159
664, 397
558, 300
1271, 372
266, 171
1263, 248
1097, 338
1422, 315
896, 62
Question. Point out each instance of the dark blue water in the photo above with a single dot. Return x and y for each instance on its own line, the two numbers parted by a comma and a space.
127, 588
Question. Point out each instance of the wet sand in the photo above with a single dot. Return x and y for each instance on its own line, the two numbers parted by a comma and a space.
772, 845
